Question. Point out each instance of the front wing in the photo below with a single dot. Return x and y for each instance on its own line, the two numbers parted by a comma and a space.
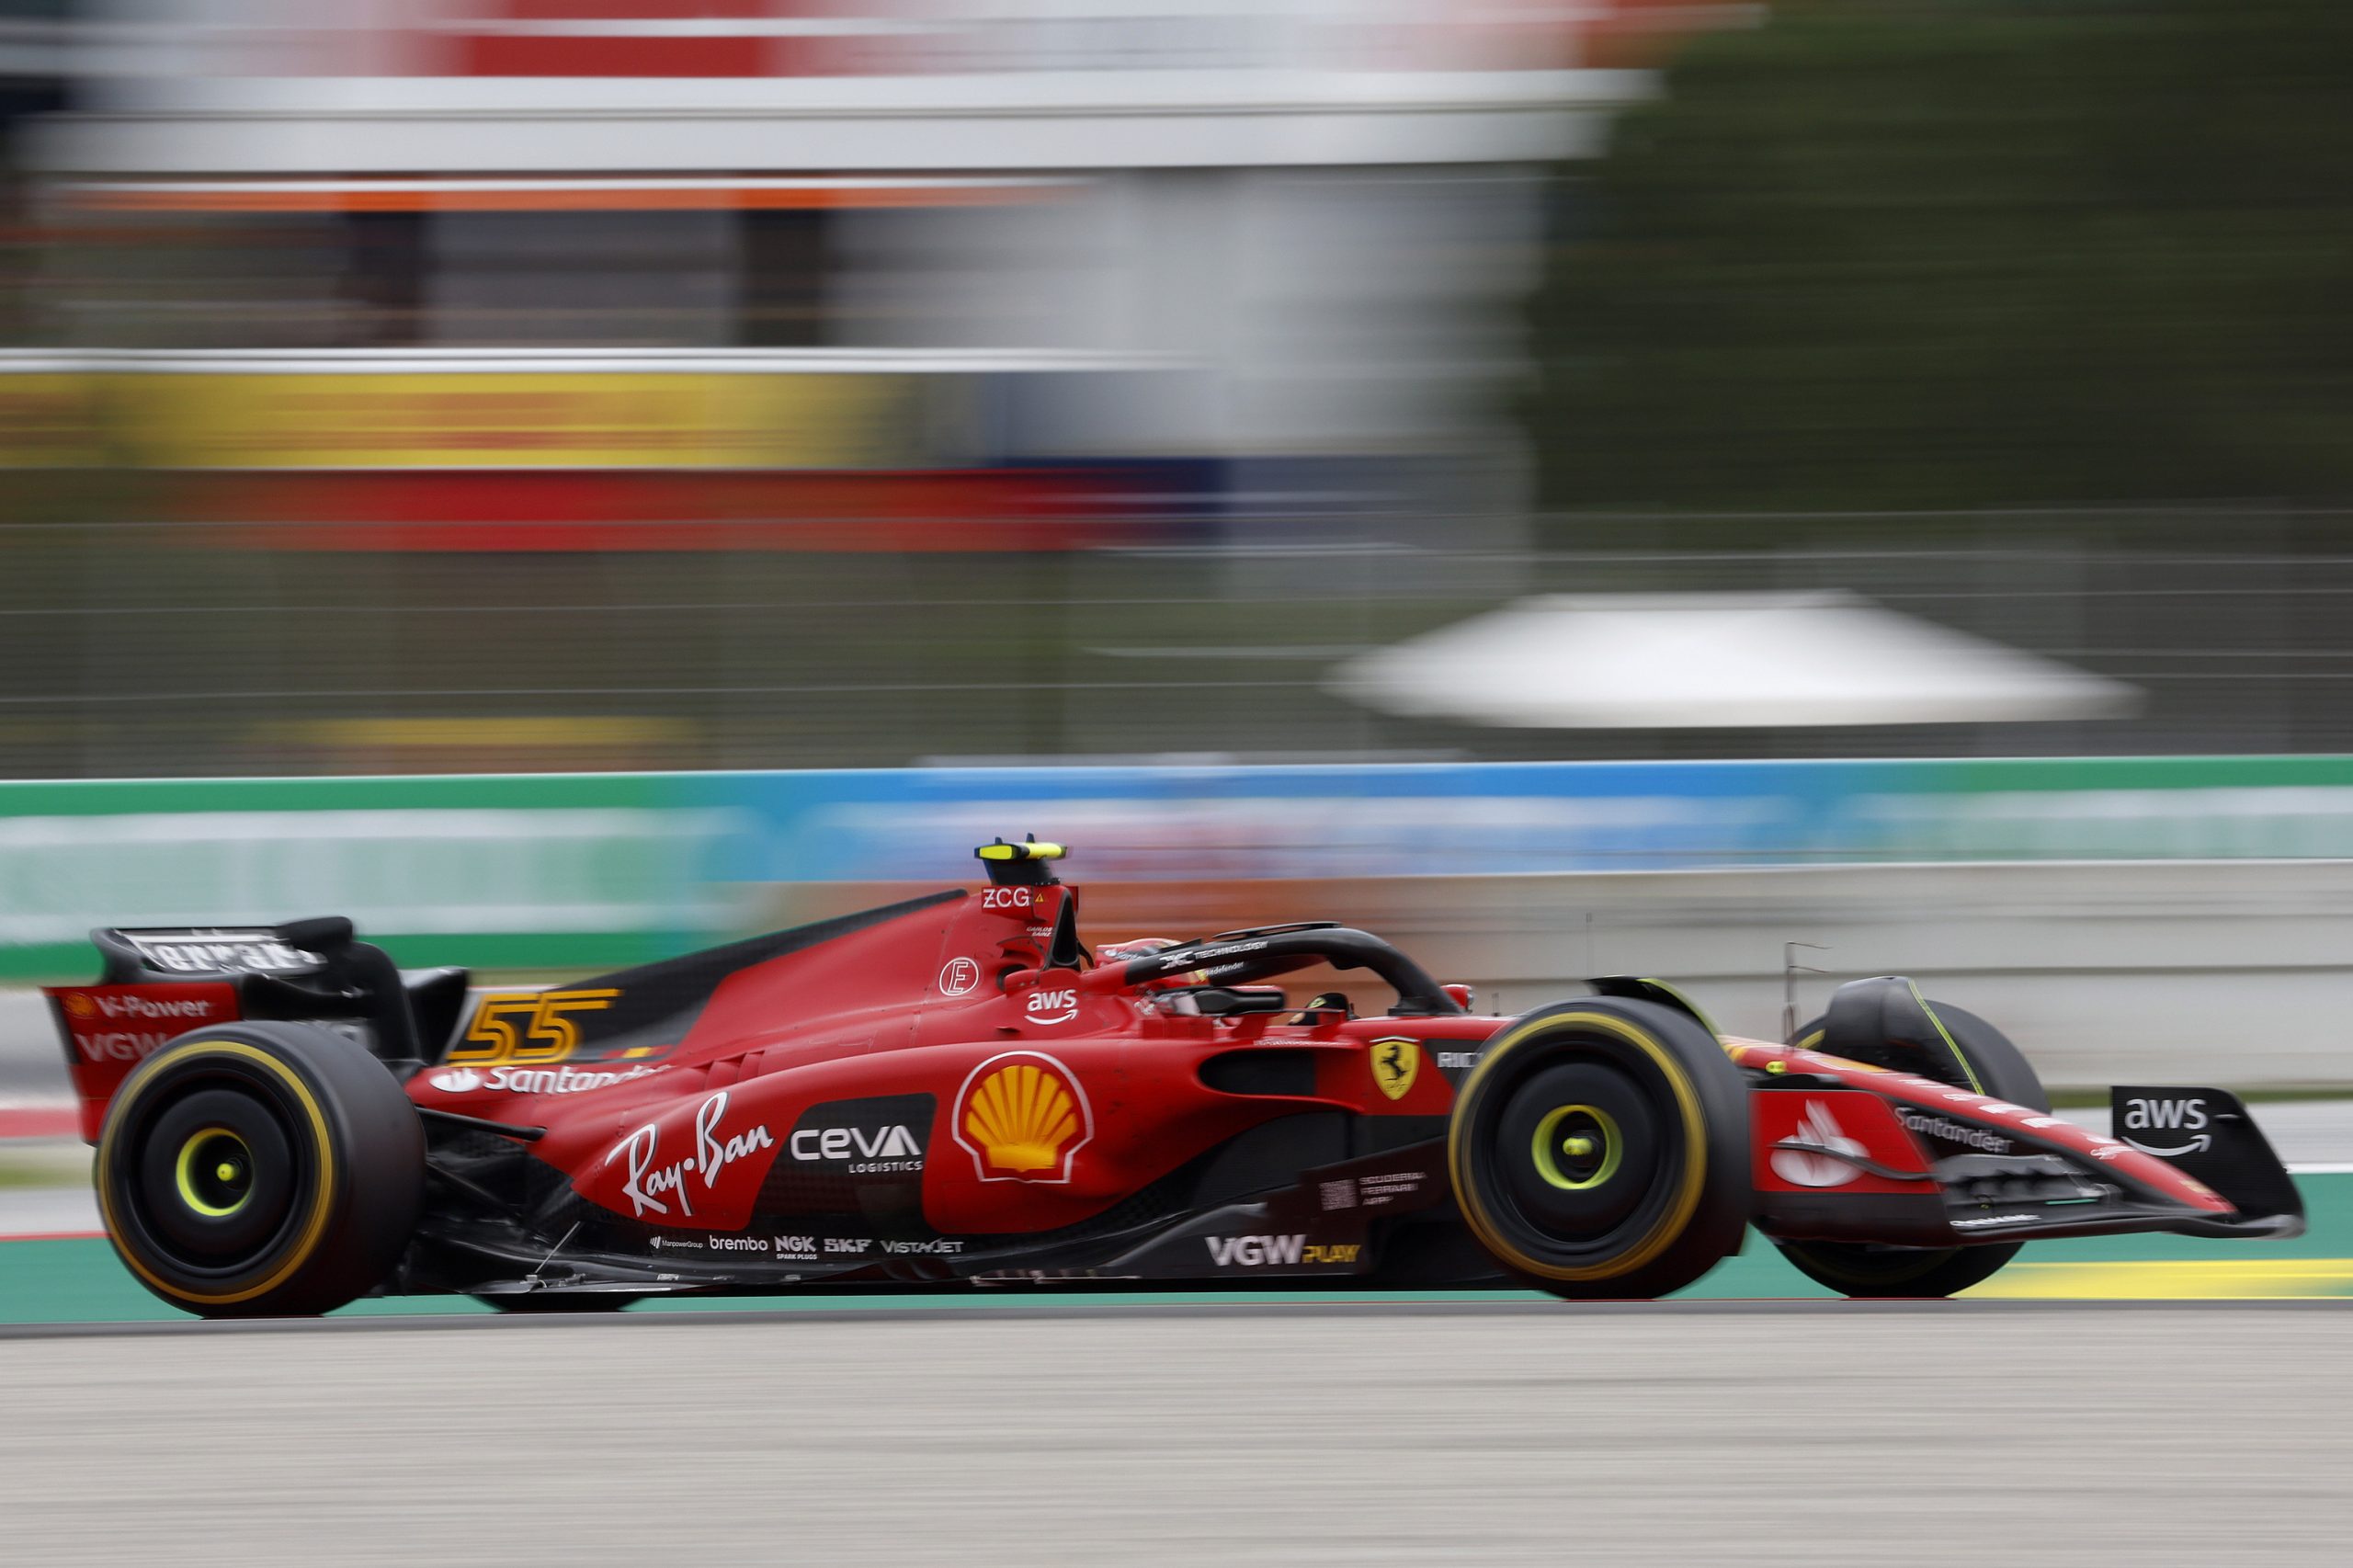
1845, 1151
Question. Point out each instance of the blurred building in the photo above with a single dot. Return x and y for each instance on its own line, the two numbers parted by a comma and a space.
1040, 233
471, 282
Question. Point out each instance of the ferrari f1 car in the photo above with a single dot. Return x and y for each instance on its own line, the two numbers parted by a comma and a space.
955, 1092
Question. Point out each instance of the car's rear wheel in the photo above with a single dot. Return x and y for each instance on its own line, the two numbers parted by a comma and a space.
1866, 1268
260, 1169
1600, 1149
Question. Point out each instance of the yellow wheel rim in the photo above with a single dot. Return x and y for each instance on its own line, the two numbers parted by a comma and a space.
214, 1172
1550, 1144
321, 1143
1691, 1179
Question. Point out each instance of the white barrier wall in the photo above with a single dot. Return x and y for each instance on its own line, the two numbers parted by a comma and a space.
2227, 972
2232, 973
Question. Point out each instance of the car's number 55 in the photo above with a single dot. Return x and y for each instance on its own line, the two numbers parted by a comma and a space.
527, 1025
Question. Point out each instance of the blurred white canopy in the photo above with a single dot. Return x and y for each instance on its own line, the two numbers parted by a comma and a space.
1717, 660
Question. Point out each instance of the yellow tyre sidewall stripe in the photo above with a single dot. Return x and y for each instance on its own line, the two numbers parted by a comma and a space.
1678, 1212
323, 1200
1814, 1042
1968, 1069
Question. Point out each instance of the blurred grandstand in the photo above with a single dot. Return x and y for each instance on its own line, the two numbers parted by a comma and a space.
436, 385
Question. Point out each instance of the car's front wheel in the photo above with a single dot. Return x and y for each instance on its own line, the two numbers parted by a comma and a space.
1600, 1149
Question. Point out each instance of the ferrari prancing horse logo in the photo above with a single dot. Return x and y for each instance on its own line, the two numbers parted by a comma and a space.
1395, 1065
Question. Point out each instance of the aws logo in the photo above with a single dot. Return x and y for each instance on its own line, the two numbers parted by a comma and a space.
1056, 1005
1023, 1117
2170, 1128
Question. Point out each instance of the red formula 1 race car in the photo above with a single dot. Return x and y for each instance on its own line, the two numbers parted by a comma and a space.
954, 1092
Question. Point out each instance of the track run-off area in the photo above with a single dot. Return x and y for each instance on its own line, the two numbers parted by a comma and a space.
1814, 1433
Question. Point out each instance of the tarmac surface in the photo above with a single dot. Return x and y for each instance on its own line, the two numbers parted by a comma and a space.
2149, 1399
1961, 1433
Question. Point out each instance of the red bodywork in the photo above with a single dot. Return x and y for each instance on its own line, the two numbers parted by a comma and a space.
109, 1030
942, 1001
915, 1006
940, 1085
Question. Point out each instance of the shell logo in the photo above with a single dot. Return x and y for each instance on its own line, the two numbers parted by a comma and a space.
79, 1006
1023, 1117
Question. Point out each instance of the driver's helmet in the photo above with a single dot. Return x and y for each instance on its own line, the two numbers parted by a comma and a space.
1144, 946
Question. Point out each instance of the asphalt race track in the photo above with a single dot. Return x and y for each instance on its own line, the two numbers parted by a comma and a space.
1970, 1433
2139, 1399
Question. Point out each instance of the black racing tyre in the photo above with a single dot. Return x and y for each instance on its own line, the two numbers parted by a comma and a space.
1865, 1268
260, 1169
1600, 1149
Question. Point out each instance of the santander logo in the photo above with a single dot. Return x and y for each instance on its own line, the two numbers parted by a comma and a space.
1809, 1156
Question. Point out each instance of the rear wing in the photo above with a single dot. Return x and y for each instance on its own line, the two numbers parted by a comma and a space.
203, 952
157, 983
106, 1030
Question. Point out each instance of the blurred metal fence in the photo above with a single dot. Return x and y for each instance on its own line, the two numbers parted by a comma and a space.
126, 649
